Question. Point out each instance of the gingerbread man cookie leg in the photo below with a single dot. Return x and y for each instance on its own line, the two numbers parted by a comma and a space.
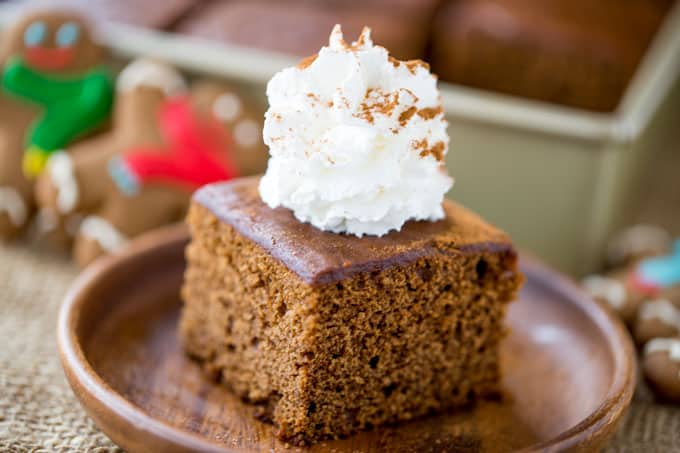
72, 184
13, 210
55, 64
124, 217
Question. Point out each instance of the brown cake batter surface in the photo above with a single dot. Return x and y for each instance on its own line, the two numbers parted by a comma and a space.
331, 333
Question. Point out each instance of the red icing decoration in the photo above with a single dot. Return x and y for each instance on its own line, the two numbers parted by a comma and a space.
196, 153
47, 59
638, 284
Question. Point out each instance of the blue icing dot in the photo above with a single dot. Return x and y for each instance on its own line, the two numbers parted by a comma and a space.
35, 34
68, 34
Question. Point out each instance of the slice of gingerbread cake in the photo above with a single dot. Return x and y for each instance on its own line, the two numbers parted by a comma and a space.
339, 291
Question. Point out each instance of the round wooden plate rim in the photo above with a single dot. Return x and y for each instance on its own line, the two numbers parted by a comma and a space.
80, 374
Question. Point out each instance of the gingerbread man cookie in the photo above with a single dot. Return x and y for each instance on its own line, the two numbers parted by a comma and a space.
44, 54
658, 278
163, 146
75, 183
53, 62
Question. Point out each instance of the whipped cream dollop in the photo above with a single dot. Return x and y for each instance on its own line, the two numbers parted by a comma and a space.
357, 140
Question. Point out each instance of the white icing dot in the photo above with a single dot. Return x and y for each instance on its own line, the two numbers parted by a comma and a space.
608, 289
105, 234
13, 205
247, 133
227, 107
60, 169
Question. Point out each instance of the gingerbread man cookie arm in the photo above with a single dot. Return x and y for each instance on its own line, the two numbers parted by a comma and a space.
196, 153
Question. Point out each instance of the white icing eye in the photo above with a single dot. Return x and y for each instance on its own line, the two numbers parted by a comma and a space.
35, 34
68, 34
247, 133
227, 107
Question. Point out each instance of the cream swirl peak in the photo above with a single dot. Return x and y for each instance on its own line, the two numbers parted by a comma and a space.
357, 140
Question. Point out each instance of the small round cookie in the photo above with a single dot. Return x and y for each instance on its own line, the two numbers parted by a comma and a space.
612, 291
661, 365
656, 318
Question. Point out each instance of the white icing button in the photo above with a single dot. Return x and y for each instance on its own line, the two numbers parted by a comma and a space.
105, 234
247, 133
227, 107
13, 205
609, 289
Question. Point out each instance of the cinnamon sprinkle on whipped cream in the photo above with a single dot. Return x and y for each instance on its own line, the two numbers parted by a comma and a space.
357, 140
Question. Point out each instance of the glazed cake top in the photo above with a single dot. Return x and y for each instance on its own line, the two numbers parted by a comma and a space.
320, 257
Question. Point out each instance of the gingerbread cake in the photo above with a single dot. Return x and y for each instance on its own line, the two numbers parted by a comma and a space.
578, 53
340, 291
334, 333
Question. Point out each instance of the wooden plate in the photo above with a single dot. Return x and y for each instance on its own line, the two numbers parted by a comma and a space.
568, 365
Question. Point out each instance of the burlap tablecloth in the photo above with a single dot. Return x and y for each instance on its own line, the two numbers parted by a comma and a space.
38, 412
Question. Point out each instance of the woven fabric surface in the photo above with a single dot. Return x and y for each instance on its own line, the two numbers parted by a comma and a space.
39, 413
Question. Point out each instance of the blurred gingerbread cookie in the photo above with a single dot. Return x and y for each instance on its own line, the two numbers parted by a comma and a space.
661, 365
658, 278
76, 182
162, 147
54, 63
53, 90
647, 275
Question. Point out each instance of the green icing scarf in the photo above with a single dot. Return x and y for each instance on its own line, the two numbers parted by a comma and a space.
72, 106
